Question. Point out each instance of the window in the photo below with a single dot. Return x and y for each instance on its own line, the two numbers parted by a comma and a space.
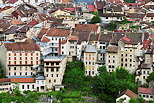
47, 75
22, 86
14, 54
9, 68
26, 68
42, 82
55, 80
31, 68
47, 70
37, 82
113, 61
92, 72
20, 68
49, 81
57, 69
20, 73
143, 72
57, 75
27, 86
51, 75
47, 63
143, 77
57, 63
32, 86
52, 69
25, 73
14, 73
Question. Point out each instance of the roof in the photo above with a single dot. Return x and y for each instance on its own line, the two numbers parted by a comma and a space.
150, 14
16, 22
22, 80
112, 49
100, 4
12, 1
40, 78
5, 80
135, 15
146, 66
73, 38
11, 30
28, 45
45, 39
91, 8
33, 22
90, 49
146, 44
145, 90
41, 33
51, 58
57, 32
89, 2
129, 93
86, 27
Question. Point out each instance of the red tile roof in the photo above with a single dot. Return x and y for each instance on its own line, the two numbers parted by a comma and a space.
5, 80
12, 1
16, 22
71, 9
45, 39
146, 44
33, 22
129, 93
86, 27
91, 8
28, 45
73, 38
22, 80
145, 90
42, 32
126, 39
57, 32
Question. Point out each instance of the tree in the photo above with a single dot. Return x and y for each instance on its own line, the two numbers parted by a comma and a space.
132, 100
110, 84
125, 21
75, 75
150, 77
140, 100
111, 26
2, 72
96, 18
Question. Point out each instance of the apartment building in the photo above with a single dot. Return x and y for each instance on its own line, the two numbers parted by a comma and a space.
54, 68
90, 58
55, 38
146, 68
19, 58
112, 58
129, 51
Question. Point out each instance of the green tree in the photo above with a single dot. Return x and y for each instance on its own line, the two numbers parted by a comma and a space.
111, 26
2, 72
95, 19
75, 75
132, 100
150, 77
140, 100
110, 84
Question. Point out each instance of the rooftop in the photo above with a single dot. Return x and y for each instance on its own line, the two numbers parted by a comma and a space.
90, 49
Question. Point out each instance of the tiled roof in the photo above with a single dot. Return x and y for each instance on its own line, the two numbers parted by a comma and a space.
28, 45
91, 8
45, 39
16, 22
150, 14
57, 32
100, 4
73, 38
129, 93
41, 33
112, 49
146, 66
145, 90
22, 80
146, 44
33, 22
12, 1
11, 30
86, 27
5, 80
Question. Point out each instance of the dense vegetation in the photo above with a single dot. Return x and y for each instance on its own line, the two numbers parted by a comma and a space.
1, 72
95, 19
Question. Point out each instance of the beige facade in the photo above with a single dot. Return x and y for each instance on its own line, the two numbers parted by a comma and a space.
90, 58
54, 68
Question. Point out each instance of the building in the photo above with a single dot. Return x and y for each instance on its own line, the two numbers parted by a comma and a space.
146, 93
90, 58
19, 58
125, 96
54, 69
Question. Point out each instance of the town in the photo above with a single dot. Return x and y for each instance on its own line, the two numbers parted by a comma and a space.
53, 45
